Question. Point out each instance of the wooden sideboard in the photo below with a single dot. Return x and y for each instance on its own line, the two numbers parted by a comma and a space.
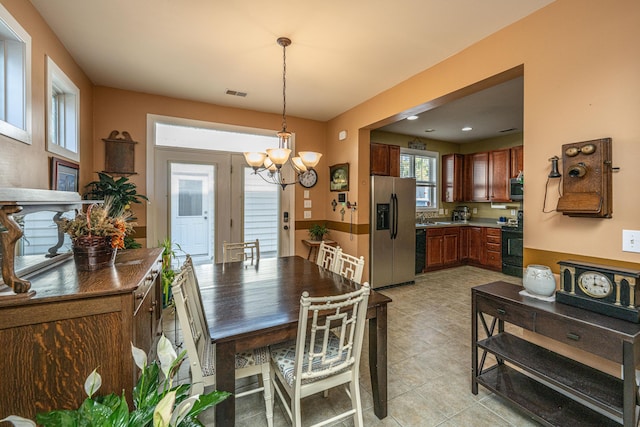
555, 390
75, 323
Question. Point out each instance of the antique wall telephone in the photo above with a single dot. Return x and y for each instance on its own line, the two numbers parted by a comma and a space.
587, 184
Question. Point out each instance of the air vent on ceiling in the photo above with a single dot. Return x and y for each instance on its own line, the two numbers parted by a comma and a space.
507, 130
236, 93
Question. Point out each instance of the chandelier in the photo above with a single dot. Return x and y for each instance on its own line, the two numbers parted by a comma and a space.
269, 166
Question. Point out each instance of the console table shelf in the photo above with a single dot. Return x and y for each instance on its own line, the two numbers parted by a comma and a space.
553, 389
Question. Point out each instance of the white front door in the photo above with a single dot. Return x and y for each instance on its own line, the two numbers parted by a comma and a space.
192, 210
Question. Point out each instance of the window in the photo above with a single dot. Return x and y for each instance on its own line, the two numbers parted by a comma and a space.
15, 79
63, 112
421, 165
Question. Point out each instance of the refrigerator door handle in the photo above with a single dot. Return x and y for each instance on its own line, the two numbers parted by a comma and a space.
394, 197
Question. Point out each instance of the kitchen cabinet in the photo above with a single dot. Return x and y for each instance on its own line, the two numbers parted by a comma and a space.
384, 159
517, 160
452, 178
476, 177
486, 176
476, 245
493, 256
464, 244
78, 321
443, 247
554, 389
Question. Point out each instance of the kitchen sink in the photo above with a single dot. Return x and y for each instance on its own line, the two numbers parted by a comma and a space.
442, 222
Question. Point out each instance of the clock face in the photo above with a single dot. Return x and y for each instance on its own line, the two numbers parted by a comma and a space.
595, 284
309, 178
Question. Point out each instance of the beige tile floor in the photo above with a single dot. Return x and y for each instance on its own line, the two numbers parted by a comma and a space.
429, 363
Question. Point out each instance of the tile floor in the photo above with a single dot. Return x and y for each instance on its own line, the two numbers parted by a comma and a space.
429, 363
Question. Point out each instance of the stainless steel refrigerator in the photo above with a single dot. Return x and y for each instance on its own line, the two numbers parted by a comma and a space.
392, 231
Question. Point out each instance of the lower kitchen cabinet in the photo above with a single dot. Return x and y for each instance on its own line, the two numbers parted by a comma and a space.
443, 247
453, 246
531, 376
76, 322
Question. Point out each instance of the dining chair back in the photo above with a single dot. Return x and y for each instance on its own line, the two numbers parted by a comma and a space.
194, 289
350, 267
325, 354
201, 350
242, 251
327, 256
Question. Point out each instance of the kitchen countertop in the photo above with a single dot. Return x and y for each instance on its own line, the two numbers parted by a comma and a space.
479, 222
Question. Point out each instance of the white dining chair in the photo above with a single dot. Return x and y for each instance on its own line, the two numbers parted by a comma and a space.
327, 256
350, 267
201, 351
325, 354
241, 251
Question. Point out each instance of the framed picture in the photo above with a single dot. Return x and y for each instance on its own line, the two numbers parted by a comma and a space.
339, 177
64, 175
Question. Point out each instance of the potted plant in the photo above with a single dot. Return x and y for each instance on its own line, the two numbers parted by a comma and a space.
122, 192
96, 234
168, 273
157, 401
318, 231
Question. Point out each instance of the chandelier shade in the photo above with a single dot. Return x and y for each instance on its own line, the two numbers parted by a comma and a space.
269, 165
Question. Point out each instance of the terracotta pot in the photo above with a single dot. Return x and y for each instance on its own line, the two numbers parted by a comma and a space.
93, 253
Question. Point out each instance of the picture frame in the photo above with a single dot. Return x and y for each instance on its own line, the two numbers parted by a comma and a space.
339, 177
64, 175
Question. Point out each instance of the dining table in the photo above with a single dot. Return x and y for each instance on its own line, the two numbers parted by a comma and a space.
254, 304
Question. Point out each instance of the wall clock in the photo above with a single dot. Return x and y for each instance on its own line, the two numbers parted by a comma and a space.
608, 290
309, 178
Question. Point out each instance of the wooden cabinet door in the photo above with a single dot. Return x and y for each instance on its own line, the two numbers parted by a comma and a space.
517, 160
477, 177
452, 179
451, 246
464, 243
394, 160
476, 244
499, 175
435, 241
144, 323
379, 159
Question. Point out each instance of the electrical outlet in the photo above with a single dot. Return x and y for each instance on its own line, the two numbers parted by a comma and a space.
514, 212
307, 214
631, 241
475, 210
441, 211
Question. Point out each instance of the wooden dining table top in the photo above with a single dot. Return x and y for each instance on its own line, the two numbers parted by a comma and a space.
248, 299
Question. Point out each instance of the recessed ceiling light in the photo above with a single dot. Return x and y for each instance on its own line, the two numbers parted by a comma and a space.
429, 130
412, 118
467, 129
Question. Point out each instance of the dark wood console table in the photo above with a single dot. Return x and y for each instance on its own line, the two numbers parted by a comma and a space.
553, 389
75, 323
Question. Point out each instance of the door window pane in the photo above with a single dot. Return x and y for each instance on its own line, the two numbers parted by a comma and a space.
190, 197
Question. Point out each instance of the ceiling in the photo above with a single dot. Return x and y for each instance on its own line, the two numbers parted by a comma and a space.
342, 54
492, 112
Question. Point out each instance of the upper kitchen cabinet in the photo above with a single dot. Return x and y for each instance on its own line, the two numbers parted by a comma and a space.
452, 178
486, 176
517, 160
385, 159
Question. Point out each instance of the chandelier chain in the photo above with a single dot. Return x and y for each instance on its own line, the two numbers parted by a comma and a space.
284, 87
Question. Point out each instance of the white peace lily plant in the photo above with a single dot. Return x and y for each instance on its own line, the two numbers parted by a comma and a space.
157, 403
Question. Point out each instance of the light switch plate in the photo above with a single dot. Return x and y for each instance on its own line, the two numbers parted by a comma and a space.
307, 203
306, 194
307, 214
631, 241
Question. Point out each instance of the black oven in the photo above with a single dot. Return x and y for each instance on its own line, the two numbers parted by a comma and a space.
512, 250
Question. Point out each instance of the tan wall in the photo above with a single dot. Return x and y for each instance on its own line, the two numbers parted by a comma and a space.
580, 83
24, 165
127, 111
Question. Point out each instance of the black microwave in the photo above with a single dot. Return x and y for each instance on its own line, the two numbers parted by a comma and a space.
516, 189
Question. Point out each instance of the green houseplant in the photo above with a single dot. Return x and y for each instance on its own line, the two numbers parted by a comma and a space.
157, 401
318, 231
122, 192
168, 273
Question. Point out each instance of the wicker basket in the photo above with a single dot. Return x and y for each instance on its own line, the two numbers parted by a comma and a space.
93, 253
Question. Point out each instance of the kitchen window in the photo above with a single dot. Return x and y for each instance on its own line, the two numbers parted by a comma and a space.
15, 79
421, 165
63, 102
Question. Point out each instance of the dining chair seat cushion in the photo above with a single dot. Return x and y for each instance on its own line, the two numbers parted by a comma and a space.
257, 356
284, 355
